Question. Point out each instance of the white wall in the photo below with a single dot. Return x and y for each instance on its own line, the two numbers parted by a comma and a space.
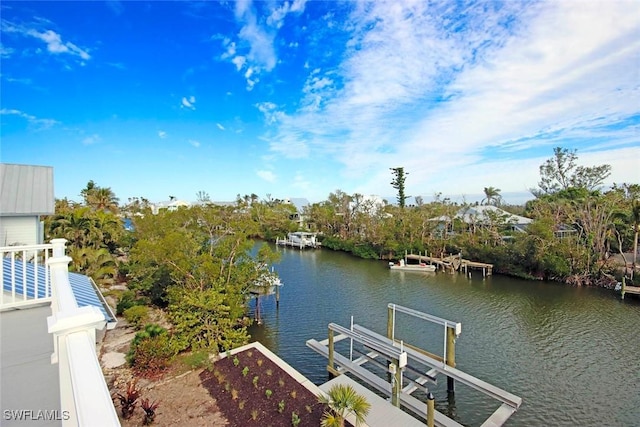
23, 230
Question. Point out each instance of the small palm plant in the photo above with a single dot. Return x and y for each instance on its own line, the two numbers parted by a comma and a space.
341, 401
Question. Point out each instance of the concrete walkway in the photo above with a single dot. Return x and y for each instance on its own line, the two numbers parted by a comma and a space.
382, 412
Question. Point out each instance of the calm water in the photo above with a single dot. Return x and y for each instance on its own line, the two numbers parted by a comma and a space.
572, 354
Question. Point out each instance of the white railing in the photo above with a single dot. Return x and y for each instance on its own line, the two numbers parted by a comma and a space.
83, 390
19, 263
39, 274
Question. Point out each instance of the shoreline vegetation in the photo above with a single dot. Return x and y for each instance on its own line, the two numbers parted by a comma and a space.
195, 264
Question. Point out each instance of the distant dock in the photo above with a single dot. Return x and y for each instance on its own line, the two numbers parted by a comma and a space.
453, 263
629, 289
300, 240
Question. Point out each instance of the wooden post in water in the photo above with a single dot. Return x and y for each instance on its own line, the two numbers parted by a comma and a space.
450, 357
277, 297
624, 285
330, 368
396, 386
431, 409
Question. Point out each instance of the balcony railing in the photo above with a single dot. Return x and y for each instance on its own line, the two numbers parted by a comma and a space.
39, 274
25, 277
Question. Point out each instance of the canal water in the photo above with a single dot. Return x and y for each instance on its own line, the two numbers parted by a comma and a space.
572, 354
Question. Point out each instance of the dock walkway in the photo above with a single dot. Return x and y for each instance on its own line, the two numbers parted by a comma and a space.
453, 263
382, 413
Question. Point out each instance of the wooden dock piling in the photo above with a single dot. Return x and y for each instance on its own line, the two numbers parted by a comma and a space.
431, 409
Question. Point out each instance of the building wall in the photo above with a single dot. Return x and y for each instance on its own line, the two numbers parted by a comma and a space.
23, 230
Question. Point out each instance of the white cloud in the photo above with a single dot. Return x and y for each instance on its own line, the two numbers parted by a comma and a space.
452, 95
39, 124
55, 44
53, 40
220, 126
91, 139
266, 175
194, 143
5, 52
189, 102
239, 62
162, 134
254, 52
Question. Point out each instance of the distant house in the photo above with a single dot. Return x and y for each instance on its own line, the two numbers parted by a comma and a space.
484, 216
300, 203
26, 193
487, 214
170, 205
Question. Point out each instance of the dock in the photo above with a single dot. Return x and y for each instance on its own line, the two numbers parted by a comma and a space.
629, 289
408, 369
453, 263
300, 240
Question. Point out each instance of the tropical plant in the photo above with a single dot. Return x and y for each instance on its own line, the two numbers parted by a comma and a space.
99, 198
128, 400
491, 196
99, 264
149, 411
342, 400
398, 183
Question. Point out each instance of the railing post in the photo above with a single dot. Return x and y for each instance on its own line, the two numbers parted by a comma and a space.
83, 391
390, 323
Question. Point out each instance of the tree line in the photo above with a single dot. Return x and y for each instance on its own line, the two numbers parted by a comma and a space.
576, 227
197, 264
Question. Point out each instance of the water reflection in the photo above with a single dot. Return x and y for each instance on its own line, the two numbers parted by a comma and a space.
565, 351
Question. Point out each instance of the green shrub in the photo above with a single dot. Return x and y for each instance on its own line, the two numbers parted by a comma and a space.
127, 300
197, 359
152, 350
137, 315
152, 355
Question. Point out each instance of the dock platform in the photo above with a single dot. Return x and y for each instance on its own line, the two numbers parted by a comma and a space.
382, 413
454, 263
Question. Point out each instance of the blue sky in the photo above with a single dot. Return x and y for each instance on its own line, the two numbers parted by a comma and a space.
301, 98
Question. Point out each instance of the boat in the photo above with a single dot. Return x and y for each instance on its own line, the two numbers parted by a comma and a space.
299, 239
403, 266
267, 283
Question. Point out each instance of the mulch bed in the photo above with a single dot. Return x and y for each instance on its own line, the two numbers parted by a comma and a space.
268, 401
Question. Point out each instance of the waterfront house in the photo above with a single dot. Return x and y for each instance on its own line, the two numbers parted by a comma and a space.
26, 193
474, 217
49, 317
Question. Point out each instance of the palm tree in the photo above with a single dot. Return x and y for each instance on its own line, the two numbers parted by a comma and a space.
102, 199
343, 400
96, 263
75, 226
492, 196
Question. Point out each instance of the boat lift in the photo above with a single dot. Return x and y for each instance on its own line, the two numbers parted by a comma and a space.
401, 358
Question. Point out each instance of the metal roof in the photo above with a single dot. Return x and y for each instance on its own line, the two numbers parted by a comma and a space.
83, 287
26, 190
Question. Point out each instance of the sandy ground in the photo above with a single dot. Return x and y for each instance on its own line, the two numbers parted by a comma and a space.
182, 398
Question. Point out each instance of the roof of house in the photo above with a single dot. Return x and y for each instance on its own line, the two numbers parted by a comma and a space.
299, 203
26, 190
83, 288
481, 213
